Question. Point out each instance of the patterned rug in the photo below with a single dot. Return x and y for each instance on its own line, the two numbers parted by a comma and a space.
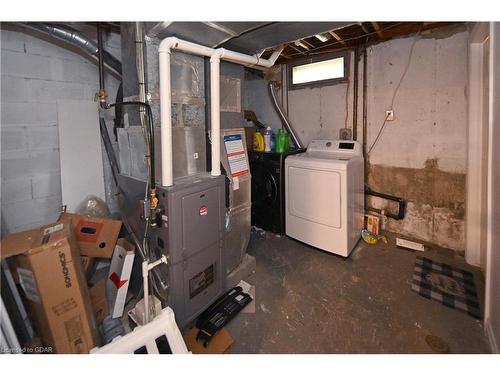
451, 286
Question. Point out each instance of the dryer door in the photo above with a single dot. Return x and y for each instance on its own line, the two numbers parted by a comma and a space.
315, 195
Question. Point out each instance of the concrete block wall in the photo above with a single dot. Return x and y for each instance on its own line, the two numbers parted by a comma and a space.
35, 74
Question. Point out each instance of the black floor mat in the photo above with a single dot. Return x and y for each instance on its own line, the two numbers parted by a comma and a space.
451, 286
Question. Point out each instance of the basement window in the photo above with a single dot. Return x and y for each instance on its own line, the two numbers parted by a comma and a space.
316, 72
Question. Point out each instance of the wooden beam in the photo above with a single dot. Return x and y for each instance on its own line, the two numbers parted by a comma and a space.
295, 48
337, 37
300, 43
307, 43
377, 29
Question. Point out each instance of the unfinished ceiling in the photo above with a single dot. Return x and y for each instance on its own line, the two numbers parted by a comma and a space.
301, 39
350, 36
245, 37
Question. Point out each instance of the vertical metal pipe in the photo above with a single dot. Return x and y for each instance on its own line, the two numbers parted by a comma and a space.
365, 110
100, 51
355, 95
281, 113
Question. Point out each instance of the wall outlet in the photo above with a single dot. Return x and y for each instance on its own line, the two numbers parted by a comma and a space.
389, 115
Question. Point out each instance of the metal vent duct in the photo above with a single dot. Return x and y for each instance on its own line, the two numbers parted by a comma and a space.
244, 37
75, 38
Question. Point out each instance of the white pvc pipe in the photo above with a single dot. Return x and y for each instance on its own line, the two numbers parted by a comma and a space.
166, 95
167, 174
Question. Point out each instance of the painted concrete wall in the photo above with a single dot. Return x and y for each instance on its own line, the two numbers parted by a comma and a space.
320, 112
34, 75
421, 155
257, 99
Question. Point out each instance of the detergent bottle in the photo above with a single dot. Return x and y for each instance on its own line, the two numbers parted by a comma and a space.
282, 141
267, 139
258, 142
273, 142
280, 144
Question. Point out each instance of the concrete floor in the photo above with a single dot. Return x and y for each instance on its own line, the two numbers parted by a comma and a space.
310, 301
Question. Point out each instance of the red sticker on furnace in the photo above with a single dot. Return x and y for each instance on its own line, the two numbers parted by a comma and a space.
203, 210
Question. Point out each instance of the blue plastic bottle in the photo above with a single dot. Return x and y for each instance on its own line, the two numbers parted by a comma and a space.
273, 142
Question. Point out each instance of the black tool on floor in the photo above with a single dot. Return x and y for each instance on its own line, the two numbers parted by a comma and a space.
220, 313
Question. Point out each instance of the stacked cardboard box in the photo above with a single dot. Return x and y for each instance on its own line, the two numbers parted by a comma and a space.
52, 264
52, 278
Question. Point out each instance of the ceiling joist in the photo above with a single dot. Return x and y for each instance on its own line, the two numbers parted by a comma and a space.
376, 27
337, 37
357, 34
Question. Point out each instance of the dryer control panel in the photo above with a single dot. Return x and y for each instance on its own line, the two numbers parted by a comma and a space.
347, 148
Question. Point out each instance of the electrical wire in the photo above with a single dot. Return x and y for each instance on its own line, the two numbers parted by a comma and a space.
395, 92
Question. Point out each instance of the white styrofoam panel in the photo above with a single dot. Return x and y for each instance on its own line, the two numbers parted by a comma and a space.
80, 151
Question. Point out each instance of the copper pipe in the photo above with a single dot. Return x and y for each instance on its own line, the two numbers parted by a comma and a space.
355, 95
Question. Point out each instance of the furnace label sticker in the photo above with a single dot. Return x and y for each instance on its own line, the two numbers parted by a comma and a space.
236, 155
201, 281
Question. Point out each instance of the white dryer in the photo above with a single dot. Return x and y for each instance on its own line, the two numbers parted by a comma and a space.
325, 195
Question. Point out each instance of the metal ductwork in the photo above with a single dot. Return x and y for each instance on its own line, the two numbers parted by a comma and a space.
77, 39
283, 117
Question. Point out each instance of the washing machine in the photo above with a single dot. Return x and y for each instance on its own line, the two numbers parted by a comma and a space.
325, 195
268, 189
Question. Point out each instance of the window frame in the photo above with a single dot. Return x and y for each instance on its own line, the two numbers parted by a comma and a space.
324, 82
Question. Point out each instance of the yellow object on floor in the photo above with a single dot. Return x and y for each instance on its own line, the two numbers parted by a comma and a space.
371, 238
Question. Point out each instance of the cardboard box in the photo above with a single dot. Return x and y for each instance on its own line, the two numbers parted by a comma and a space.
219, 344
51, 275
99, 301
249, 134
96, 237
119, 275
87, 265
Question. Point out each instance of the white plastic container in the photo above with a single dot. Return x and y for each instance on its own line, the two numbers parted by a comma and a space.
267, 139
146, 337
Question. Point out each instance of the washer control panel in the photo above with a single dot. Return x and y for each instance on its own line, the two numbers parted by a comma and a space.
333, 146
